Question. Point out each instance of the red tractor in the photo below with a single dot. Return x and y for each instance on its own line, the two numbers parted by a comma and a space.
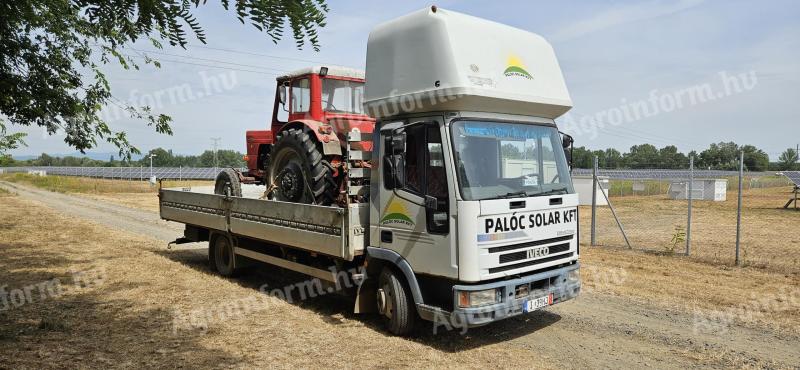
301, 158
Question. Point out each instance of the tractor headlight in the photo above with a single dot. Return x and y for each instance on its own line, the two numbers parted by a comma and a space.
479, 298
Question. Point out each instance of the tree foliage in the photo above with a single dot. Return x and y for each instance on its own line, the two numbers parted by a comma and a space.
788, 160
720, 156
51, 53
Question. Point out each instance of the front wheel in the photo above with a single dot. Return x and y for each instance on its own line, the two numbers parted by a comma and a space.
395, 303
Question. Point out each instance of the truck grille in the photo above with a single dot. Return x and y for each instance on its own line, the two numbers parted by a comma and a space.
521, 255
527, 245
529, 263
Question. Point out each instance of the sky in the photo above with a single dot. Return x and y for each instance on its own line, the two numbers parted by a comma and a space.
684, 73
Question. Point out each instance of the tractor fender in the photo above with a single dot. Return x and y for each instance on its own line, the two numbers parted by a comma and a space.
330, 142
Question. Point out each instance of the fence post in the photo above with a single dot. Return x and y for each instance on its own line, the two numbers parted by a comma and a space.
594, 202
739, 209
689, 195
180, 173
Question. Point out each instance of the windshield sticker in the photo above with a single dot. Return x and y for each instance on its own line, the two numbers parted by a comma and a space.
530, 181
513, 132
397, 213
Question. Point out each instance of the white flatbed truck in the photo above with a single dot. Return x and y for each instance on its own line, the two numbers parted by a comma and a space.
465, 211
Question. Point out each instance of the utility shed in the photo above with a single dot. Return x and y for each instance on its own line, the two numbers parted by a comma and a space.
440, 60
583, 186
702, 189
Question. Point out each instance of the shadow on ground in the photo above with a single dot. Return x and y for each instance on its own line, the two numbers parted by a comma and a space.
334, 306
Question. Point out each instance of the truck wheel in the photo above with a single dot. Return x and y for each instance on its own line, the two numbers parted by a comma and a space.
228, 183
297, 170
224, 257
395, 303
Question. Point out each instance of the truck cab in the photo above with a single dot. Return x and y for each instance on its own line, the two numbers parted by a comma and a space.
476, 194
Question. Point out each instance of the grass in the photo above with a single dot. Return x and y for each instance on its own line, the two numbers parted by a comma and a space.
655, 187
5, 193
769, 233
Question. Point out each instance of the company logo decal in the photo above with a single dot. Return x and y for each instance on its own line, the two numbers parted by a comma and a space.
516, 68
397, 213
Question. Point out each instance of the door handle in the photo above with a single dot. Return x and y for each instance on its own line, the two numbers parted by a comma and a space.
386, 236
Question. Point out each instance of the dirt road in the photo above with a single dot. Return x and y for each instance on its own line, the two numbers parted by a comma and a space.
597, 330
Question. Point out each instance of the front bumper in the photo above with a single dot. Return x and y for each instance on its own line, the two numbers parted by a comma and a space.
553, 282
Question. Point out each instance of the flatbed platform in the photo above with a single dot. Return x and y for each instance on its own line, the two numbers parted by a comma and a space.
335, 231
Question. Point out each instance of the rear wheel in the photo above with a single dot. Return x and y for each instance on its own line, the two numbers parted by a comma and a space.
298, 170
228, 183
395, 303
224, 257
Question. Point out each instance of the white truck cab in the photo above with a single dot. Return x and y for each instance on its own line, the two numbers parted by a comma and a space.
476, 194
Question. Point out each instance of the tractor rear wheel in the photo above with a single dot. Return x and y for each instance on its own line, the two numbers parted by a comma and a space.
298, 171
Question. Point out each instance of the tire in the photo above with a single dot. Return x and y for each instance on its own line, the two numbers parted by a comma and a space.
224, 257
298, 170
228, 183
395, 303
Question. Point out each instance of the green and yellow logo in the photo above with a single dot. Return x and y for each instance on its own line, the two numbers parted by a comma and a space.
516, 68
397, 213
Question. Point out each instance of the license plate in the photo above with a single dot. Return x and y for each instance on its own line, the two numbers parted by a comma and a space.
537, 303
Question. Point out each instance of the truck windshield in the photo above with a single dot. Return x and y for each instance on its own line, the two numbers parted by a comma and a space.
342, 96
503, 160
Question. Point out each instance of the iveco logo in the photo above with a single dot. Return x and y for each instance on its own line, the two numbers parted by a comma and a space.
538, 252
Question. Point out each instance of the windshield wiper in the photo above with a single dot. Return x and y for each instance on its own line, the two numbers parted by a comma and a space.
515, 194
553, 191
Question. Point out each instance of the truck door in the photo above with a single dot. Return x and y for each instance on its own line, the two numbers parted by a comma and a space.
416, 218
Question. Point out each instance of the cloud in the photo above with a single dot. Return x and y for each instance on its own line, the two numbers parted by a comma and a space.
623, 15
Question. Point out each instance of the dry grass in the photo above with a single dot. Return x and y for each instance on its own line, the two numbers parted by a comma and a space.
769, 233
127, 321
683, 284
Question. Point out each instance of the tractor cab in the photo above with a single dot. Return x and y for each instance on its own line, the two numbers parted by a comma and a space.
313, 110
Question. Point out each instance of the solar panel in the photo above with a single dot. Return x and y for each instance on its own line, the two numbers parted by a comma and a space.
794, 176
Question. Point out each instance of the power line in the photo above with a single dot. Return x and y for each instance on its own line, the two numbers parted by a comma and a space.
207, 65
207, 60
260, 54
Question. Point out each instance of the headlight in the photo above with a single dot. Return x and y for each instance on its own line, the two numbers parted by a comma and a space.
574, 276
479, 298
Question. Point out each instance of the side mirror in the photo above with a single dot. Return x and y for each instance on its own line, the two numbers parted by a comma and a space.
394, 171
282, 94
397, 143
566, 141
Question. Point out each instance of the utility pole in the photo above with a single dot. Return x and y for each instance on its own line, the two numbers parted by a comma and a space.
216, 144
151, 164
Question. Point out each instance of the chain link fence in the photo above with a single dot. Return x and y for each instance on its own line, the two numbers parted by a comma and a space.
651, 210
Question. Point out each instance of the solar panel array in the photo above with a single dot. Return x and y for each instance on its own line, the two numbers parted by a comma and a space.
193, 173
794, 176
662, 174
126, 173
